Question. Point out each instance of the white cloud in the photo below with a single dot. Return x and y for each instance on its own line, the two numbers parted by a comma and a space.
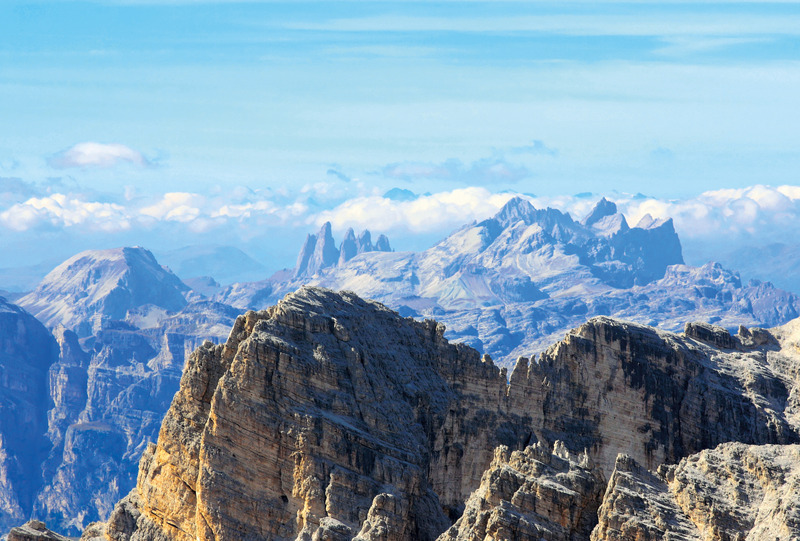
729, 214
436, 212
175, 206
91, 154
60, 210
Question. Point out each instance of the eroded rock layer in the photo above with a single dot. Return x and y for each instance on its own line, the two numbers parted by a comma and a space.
331, 417
733, 491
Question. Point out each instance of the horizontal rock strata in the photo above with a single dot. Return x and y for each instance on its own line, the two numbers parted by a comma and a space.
733, 492
331, 417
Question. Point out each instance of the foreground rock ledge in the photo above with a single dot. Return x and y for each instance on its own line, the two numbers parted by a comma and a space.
330, 417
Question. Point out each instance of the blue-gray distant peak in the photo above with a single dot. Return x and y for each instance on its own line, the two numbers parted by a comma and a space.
106, 283
602, 209
400, 194
515, 210
319, 251
349, 248
382, 244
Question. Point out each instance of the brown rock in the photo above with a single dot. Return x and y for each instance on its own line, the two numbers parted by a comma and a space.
328, 416
532, 494
731, 492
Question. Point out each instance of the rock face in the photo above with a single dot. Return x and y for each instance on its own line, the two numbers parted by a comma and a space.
330, 417
103, 284
27, 352
521, 279
334, 452
733, 491
536, 493
110, 392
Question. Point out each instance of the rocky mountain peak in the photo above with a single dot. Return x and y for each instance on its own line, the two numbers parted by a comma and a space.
364, 242
348, 249
514, 210
602, 209
103, 283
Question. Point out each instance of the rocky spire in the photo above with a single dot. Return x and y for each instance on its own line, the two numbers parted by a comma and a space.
305, 255
325, 252
364, 242
382, 245
349, 248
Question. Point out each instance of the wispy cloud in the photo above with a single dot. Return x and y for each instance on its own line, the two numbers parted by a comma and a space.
91, 154
683, 23
485, 171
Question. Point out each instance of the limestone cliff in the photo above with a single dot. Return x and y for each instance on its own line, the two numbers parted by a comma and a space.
537, 493
331, 417
733, 491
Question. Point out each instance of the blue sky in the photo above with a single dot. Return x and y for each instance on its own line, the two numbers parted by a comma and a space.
301, 110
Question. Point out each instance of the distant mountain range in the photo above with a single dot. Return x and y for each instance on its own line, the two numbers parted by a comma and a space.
113, 327
519, 280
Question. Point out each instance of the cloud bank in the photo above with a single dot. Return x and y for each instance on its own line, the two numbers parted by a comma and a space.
723, 218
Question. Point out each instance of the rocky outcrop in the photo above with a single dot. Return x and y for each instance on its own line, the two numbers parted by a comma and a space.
335, 451
537, 493
733, 491
27, 351
330, 417
34, 530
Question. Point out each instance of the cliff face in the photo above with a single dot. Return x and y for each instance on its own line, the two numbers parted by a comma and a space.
330, 417
733, 491
386, 426
26, 353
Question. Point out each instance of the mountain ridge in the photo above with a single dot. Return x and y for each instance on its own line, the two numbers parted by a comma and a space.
306, 417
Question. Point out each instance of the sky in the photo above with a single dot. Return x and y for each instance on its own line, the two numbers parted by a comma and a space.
173, 123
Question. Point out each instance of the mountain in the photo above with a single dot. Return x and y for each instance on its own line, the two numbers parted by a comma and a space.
777, 262
524, 277
226, 264
331, 417
319, 251
104, 284
27, 351
122, 327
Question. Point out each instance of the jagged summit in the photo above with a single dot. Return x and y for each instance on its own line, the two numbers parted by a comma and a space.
530, 274
103, 283
516, 209
320, 252
602, 209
